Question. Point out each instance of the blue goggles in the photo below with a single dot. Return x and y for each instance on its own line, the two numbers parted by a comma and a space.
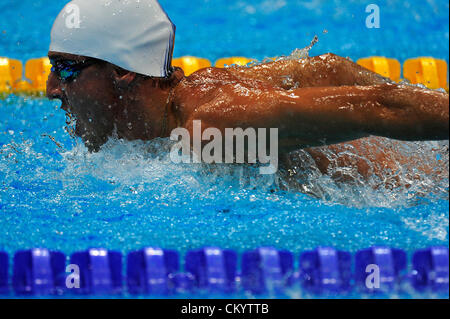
68, 70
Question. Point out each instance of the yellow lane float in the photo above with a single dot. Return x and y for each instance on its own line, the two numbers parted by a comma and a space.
389, 68
37, 71
10, 74
190, 64
427, 71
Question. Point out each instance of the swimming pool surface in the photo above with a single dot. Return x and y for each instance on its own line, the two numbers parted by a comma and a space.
55, 194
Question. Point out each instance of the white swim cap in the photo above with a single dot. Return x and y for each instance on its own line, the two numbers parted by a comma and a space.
136, 35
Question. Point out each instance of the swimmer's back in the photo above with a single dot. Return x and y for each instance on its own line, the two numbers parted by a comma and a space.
319, 71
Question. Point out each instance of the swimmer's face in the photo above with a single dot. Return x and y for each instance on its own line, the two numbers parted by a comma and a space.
86, 89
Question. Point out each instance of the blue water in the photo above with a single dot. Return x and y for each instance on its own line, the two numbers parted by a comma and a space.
55, 194
261, 28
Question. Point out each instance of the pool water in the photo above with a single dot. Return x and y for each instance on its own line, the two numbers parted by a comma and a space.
57, 195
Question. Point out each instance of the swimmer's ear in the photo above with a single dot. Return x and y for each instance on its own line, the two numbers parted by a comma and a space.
123, 78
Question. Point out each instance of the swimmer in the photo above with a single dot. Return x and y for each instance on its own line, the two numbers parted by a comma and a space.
113, 73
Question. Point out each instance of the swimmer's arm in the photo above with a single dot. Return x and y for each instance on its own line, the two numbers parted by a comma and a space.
338, 114
328, 115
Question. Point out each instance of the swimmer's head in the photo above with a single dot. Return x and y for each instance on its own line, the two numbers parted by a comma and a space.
107, 63
136, 35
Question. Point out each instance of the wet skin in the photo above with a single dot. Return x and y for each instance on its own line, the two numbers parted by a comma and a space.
314, 102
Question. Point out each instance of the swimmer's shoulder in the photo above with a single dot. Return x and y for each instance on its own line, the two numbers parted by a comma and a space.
199, 88
211, 75
204, 82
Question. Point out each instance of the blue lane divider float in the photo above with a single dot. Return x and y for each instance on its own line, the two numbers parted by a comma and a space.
325, 269
3, 272
156, 271
38, 272
430, 269
149, 271
266, 269
100, 271
386, 263
212, 268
